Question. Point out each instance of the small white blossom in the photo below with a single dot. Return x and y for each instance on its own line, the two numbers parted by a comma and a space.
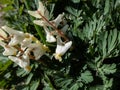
57, 21
18, 46
61, 48
16, 36
49, 37
22, 60
40, 9
27, 40
23, 63
38, 49
40, 13
8, 49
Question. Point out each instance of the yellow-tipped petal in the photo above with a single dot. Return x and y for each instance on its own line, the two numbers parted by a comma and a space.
58, 56
46, 48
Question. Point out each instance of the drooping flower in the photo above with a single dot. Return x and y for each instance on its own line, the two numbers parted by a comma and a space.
27, 40
16, 36
42, 9
45, 21
49, 37
7, 49
38, 49
21, 47
57, 20
41, 13
23, 61
61, 48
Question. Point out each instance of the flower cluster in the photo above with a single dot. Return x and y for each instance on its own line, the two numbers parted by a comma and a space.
21, 47
42, 16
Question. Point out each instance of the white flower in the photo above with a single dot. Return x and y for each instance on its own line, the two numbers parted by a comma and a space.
41, 13
49, 37
8, 49
61, 48
23, 61
38, 49
27, 40
16, 36
57, 21
3, 35
41, 9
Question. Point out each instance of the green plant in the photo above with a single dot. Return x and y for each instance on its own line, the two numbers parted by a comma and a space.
92, 63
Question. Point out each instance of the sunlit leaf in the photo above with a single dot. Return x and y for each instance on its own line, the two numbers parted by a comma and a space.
109, 68
86, 77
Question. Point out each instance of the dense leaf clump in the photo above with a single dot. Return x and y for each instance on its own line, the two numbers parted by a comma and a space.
92, 63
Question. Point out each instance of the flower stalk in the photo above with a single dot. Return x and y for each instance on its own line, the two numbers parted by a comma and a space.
36, 27
53, 26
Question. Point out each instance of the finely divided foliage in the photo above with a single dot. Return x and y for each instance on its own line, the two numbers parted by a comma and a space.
60, 45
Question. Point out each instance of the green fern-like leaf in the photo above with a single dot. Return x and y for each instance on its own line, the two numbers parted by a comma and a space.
108, 44
86, 77
107, 6
109, 68
75, 87
64, 82
93, 28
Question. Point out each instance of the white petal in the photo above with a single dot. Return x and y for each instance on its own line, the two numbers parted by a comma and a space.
58, 19
66, 47
26, 41
42, 9
22, 62
37, 49
49, 37
12, 31
16, 40
39, 22
8, 49
34, 14
17, 36
61, 48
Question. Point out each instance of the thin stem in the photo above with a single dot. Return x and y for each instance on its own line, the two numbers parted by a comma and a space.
36, 27
54, 27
